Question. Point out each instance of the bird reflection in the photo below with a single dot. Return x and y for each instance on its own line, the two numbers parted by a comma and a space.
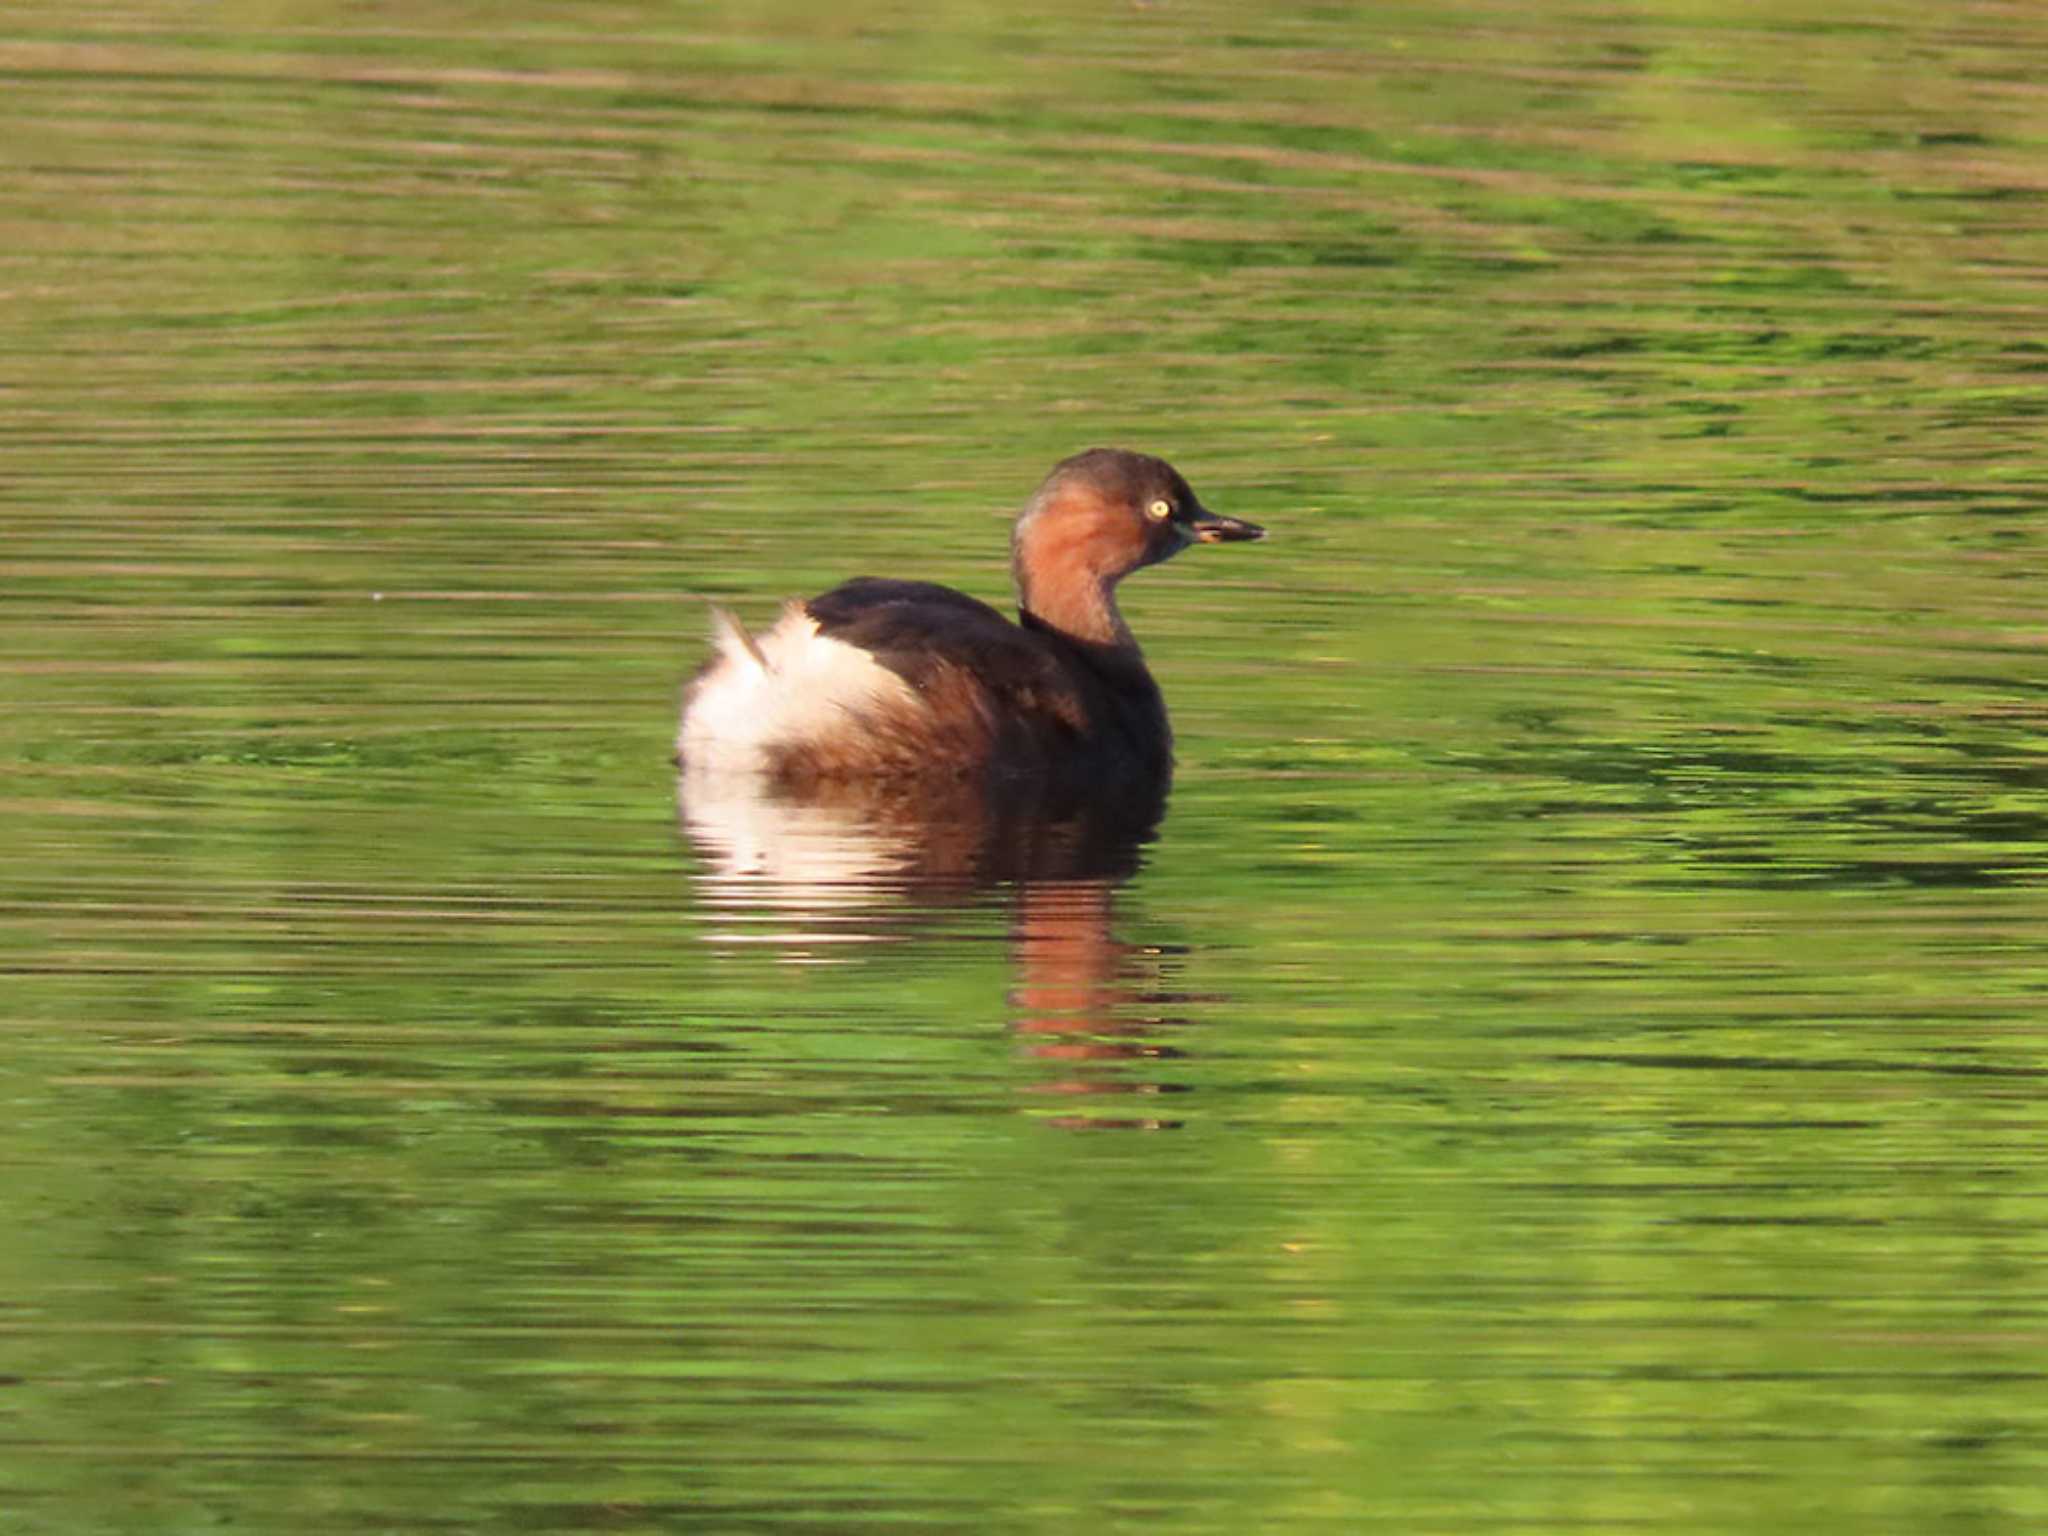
1076, 984
851, 863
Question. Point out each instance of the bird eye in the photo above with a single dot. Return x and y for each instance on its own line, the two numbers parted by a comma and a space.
1160, 509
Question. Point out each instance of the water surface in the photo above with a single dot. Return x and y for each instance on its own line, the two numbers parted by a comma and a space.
1570, 1056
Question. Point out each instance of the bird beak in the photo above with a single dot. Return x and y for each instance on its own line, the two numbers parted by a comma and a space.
1214, 528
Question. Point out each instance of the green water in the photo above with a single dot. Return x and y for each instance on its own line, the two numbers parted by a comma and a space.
1572, 1056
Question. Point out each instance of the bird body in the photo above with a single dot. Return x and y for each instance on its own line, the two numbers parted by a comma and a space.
883, 678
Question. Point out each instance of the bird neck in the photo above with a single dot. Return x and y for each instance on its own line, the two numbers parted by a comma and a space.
1081, 606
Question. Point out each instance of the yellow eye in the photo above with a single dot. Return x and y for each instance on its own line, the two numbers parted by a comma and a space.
1160, 509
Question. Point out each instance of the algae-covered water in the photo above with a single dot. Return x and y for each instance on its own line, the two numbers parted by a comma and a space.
1572, 1055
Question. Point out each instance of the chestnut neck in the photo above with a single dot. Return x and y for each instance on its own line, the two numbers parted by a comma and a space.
1068, 553
1079, 614
1082, 618
1080, 605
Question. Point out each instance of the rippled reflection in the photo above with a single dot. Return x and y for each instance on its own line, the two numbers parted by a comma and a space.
859, 863
1077, 988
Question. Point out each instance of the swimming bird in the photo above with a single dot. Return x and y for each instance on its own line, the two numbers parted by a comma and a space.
885, 679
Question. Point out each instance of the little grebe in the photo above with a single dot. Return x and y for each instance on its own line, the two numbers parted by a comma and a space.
906, 679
